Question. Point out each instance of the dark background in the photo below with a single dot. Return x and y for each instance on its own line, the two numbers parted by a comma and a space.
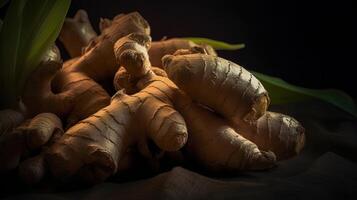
307, 43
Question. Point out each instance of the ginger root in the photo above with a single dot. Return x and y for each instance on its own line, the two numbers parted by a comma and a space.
93, 148
104, 23
76, 93
32, 170
41, 128
236, 152
175, 100
76, 33
30, 136
12, 148
123, 80
215, 145
80, 96
161, 48
10, 119
275, 132
221, 85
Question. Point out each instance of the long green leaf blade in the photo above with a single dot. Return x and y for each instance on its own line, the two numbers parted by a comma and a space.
44, 36
34, 14
29, 29
10, 42
217, 45
282, 92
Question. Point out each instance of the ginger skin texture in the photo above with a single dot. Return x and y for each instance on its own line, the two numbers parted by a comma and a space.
123, 80
229, 89
31, 135
275, 132
10, 119
161, 48
93, 147
270, 131
43, 130
80, 96
76, 93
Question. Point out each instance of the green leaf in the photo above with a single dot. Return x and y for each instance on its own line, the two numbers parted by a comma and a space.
217, 45
31, 25
43, 35
29, 29
282, 92
10, 42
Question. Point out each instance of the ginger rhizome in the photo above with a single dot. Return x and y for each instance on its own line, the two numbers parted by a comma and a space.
219, 84
32, 135
76, 33
94, 146
209, 134
203, 123
174, 100
124, 80
236, 94
216, 146
276, 132
168, 47
10, 119
73, 92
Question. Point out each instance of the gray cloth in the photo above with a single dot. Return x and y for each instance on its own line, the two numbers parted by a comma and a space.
326, 169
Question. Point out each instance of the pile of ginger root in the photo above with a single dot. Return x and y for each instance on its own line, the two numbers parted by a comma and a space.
122, 97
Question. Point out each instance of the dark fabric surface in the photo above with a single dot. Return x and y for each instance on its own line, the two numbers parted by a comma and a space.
326, 169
